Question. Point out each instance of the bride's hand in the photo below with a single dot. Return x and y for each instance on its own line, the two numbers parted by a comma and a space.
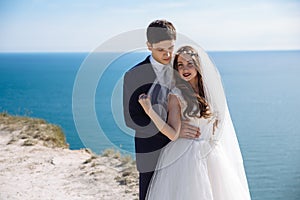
145, 102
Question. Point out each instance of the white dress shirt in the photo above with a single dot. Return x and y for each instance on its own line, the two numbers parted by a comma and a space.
157, 67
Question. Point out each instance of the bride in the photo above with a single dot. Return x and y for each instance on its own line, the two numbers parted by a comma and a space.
211, 166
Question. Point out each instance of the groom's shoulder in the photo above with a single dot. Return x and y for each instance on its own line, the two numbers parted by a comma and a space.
140, 66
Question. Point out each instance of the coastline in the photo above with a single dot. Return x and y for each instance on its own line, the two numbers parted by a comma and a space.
36, 163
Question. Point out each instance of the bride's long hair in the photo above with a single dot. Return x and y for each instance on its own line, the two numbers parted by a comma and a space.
197, 105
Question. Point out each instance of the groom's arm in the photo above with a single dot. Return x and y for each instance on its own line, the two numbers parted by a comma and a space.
127, 93
189, 131
134, 115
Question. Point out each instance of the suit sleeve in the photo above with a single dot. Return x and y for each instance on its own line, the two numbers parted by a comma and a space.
134, 115
126, 98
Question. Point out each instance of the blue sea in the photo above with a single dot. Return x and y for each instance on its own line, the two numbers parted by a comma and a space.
262, 89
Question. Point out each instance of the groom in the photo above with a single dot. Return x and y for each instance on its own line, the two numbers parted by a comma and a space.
161, 36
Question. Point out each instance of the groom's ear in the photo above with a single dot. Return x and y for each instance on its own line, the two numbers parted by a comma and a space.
149, 46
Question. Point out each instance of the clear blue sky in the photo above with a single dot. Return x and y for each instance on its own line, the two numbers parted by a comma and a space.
81, 25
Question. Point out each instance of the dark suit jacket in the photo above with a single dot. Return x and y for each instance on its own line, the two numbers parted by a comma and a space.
148, 139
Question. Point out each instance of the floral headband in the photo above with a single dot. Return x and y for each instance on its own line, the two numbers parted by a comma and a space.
189, 52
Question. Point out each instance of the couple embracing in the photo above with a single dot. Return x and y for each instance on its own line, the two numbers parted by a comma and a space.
185, 143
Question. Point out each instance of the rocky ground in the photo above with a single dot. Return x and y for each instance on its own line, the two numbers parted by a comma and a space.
35, 163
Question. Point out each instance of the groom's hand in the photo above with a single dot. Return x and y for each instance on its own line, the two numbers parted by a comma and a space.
188, 131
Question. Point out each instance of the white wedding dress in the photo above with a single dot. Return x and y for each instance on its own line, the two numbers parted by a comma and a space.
203, 168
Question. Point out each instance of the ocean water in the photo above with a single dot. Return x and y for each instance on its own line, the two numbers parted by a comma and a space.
262, 90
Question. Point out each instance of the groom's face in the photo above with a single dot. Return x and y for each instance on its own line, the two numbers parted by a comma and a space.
162, 51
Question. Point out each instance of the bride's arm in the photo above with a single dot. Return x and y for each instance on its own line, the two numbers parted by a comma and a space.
170, 129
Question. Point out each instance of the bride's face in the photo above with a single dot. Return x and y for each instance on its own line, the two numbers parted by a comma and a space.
186, 67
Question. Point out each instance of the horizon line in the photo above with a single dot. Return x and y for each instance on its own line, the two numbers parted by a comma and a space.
237, 50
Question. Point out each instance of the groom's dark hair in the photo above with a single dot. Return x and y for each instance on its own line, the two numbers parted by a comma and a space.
160, 30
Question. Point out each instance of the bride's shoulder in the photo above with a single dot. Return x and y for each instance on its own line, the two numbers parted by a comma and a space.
176, 92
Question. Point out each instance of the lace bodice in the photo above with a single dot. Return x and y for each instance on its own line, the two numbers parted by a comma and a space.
205, 125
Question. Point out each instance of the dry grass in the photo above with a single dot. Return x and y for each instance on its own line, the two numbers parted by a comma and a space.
33, 131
